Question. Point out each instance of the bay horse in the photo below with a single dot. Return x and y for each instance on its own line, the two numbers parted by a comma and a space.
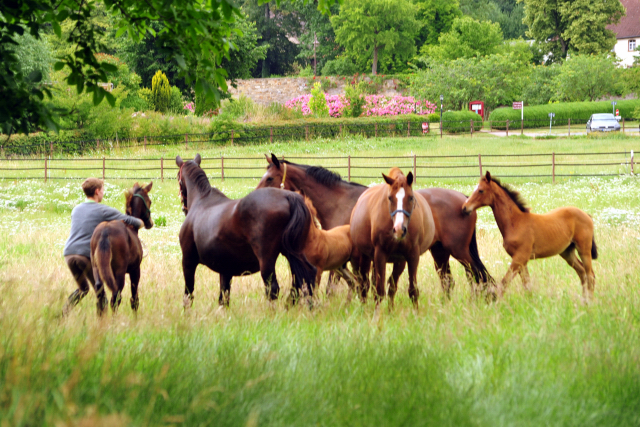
391, 223
116, 251
329, 250
236, 237
531, 236
334, 199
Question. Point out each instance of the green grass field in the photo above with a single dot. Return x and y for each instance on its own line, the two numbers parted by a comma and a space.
534, 358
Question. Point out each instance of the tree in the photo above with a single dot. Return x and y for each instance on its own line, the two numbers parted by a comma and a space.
195, 34
161, 91
573, 25
377, 28
586, 78
437, 17
468, 38
507, 13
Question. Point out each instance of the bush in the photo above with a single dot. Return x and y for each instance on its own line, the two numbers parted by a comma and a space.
433, 118
355, 96
341, 66
306, 72
460, 121
318, 101
176, 103
135, 102
161, 92
578, 112
147, 96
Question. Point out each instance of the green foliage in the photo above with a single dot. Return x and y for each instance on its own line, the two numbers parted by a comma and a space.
147, 95
460, 121
467, 38
245, 52
586, 78
540, 86
136, 103
383, 28
176, 103
433, 117
573, 25
33, 54
355, 94
436, 17
318, 29
318, 101
507, 13
578, 112
306, 72
341, 66
160, 221
161, 92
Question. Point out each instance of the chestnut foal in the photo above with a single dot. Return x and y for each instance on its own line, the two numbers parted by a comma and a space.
529, 236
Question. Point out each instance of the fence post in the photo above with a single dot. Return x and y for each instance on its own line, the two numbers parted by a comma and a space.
440, 129
97, 144
569, 126
376, 127
306, 132
507, 127
51, 149
553, 166
117, 141
480, 163
145, 143
623, 125
409, 131
103, 161
415, 175
186, 142
162, 168
521, 126
631, 162
231, 136
222, 166
45, 169
2, 151
349, 168
271, 135
471, 128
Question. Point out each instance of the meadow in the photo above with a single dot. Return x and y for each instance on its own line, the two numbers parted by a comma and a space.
534, 358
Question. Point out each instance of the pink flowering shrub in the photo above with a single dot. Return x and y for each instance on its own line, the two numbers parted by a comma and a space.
191, 106
375, 105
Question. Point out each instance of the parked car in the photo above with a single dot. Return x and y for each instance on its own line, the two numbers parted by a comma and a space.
603, 123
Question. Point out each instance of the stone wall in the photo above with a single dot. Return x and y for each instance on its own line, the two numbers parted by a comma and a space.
266, 91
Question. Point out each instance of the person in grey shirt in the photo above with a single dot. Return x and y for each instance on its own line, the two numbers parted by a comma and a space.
77, 251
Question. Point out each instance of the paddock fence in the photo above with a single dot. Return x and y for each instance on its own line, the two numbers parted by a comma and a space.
247, 135
363, 169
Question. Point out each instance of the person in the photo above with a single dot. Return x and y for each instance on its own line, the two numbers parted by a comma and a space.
77, 250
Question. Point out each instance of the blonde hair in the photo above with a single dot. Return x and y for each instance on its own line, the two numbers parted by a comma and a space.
91, 185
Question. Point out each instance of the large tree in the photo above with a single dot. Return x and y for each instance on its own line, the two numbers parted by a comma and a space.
467, 38
573, 25
507, 13
196, 34
377, 28
437, 17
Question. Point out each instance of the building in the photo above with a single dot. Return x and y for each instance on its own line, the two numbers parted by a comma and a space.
628, 33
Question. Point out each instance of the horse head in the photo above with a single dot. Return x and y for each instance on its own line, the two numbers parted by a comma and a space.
276, 175
481, 196
401, 200
182, 185
138, 203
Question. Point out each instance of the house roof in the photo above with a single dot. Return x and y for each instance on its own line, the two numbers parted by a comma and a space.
629, 25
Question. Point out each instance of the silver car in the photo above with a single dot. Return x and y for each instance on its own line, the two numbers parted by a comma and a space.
603, 123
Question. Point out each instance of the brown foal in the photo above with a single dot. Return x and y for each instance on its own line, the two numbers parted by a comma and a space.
529, 236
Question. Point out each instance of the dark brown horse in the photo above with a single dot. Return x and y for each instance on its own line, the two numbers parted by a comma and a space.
116, 251
391, 223
335, 198
236, 237
527, 235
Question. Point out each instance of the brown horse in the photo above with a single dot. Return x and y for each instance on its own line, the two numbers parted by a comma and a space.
529, 236
391, 223
334, 198
329, 250
236, 237
116, 251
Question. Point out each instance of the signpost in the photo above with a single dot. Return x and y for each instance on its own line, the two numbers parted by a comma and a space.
613, 106
551, 116
519, 105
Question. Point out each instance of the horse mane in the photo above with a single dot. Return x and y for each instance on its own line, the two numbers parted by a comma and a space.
395, 173
200, 179
513, 195
313, 211
322, 176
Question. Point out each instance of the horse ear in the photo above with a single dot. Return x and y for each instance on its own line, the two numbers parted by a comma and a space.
179, 161
275, 160
148, 187
136, 186
410, 179
488, 176
128, 194
388, 179
266, 156
197, 159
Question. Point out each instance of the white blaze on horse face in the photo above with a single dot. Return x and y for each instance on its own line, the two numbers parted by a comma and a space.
399, 219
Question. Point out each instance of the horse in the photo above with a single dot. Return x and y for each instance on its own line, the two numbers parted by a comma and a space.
329, 250
236, 237
528, 235
116, 251
391, 223
334, 198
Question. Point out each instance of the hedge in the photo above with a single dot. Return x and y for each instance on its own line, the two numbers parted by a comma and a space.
578, 112
460, 121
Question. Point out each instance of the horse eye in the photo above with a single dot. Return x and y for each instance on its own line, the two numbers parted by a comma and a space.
390, 198
411, 199
269, 179
481, 191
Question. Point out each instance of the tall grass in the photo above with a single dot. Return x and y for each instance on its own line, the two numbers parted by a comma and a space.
534, 358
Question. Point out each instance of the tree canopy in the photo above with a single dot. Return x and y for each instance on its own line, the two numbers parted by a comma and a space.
467, 38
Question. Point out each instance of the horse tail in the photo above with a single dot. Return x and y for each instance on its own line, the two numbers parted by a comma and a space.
480, 273
293, 240
594, 248
102, 260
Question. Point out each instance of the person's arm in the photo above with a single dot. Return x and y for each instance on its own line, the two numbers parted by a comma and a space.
112, 214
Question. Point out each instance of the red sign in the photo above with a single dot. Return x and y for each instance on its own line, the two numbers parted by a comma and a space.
517, 105
477, 107
617, 112
425, 128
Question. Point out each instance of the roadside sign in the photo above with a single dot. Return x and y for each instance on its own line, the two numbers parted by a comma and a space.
425, 128
517, 105
617, 112
552, 115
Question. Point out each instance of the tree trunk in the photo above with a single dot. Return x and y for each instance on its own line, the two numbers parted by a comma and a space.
374, 67
266, 72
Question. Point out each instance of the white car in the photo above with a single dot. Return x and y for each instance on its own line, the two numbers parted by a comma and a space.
603, 123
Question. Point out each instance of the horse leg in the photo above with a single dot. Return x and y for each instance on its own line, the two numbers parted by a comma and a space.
134, 276
332, 283
526, 279
517, 263
398, 268
82, 276
116, 294
379, 271
189, 271
570, 256
441, 261
225, 290
351, 280
98, 287
414, 293
361, 266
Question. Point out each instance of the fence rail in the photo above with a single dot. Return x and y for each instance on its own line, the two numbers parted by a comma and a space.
249, 134
358, 168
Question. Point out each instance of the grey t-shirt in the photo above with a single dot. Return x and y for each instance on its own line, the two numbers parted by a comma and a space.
84, 219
